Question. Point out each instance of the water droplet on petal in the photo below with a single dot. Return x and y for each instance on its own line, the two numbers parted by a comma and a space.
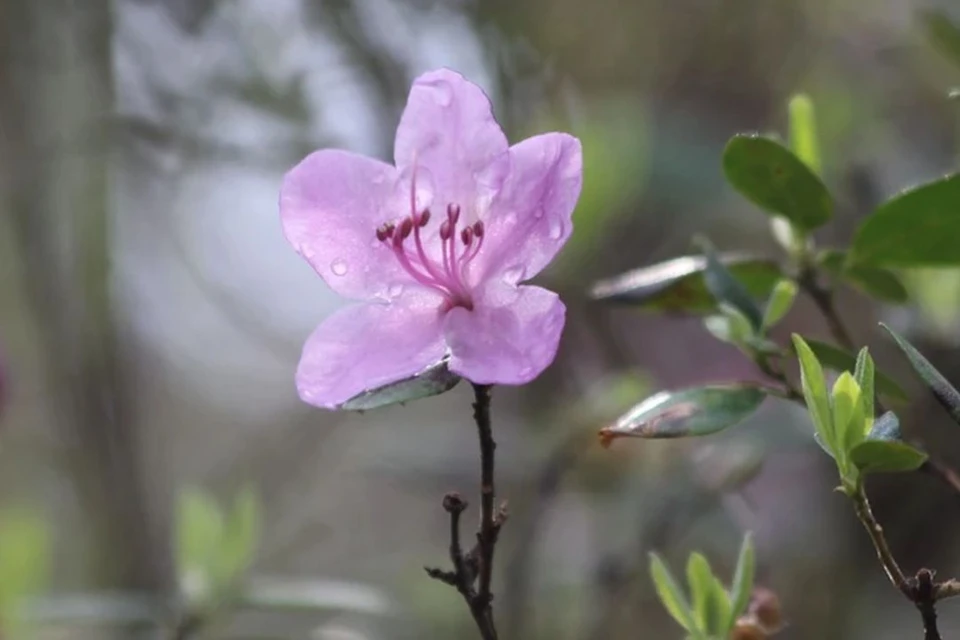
555, 230
395, 290
443, 94
513, 274
339, 267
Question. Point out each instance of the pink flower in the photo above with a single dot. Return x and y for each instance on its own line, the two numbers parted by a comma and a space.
435, 247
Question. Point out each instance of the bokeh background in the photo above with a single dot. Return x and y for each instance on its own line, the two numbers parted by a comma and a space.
151, 314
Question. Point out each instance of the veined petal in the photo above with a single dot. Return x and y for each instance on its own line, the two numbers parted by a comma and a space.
510, 337
369, 345
531, 219
330, 206
448, 132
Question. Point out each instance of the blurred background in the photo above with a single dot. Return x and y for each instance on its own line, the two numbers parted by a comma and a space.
151, 314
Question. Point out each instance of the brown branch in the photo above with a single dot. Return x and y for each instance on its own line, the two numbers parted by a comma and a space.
862, 507
476, 566
925, 597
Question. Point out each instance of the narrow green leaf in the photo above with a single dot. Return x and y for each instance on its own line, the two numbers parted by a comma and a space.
943, 33
886, 456
781, 300
848, 412
241, 536
718, 611
727, 289
803, 131
670, 593
690, 412
199, 534
864, 372
943, 391
815, 393
917, 228
432, 381
837, 359
774, 179
742, 586
678, 285
886, 427
700, 582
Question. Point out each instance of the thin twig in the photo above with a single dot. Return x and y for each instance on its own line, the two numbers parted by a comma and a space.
823, 298
862, 507
476, 566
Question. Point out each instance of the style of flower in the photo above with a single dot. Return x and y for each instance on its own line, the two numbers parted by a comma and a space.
436, 247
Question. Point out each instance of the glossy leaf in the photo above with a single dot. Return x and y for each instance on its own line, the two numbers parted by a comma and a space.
864, 373
774, 179
725, 288
742, 586
803, 131
815, 393
879, 456
917, 228
781, 300
848, 419
432, 381
886, 427
943, 33
881, 284
670, 593
690, 412
943, 391
837, 359
730, 326
678, 285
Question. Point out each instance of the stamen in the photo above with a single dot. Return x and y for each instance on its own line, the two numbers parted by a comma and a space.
424, 217
453, 213
467, 236
403, 231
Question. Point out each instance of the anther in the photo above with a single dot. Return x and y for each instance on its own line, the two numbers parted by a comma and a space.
453, 213
384, 232
405, 228
446, 230
424, 218
478, 228
467, 236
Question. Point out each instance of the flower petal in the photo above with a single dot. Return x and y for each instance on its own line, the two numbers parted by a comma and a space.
330, 207
449, 134
369, 345
530, 220
510, 337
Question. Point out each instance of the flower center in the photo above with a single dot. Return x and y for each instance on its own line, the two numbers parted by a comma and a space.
459, 246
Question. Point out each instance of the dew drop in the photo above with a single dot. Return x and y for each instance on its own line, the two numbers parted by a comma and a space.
395, 290
513, 274
339, 267
555, 230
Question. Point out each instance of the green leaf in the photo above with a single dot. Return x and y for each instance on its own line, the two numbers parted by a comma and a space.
25, 549
670, 593
837, 359
943, 33
878, 283
886, 427
432, 381
723, 286
774, 179
848, 417
815, 393
917, 228
886, 456
742, 586
241, 535
864, 373
700, 581
943, 391
803, 131
199, 534
730, 326
781, 300
691, 412
678, 285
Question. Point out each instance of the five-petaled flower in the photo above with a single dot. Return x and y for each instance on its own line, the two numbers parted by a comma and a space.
435, 247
